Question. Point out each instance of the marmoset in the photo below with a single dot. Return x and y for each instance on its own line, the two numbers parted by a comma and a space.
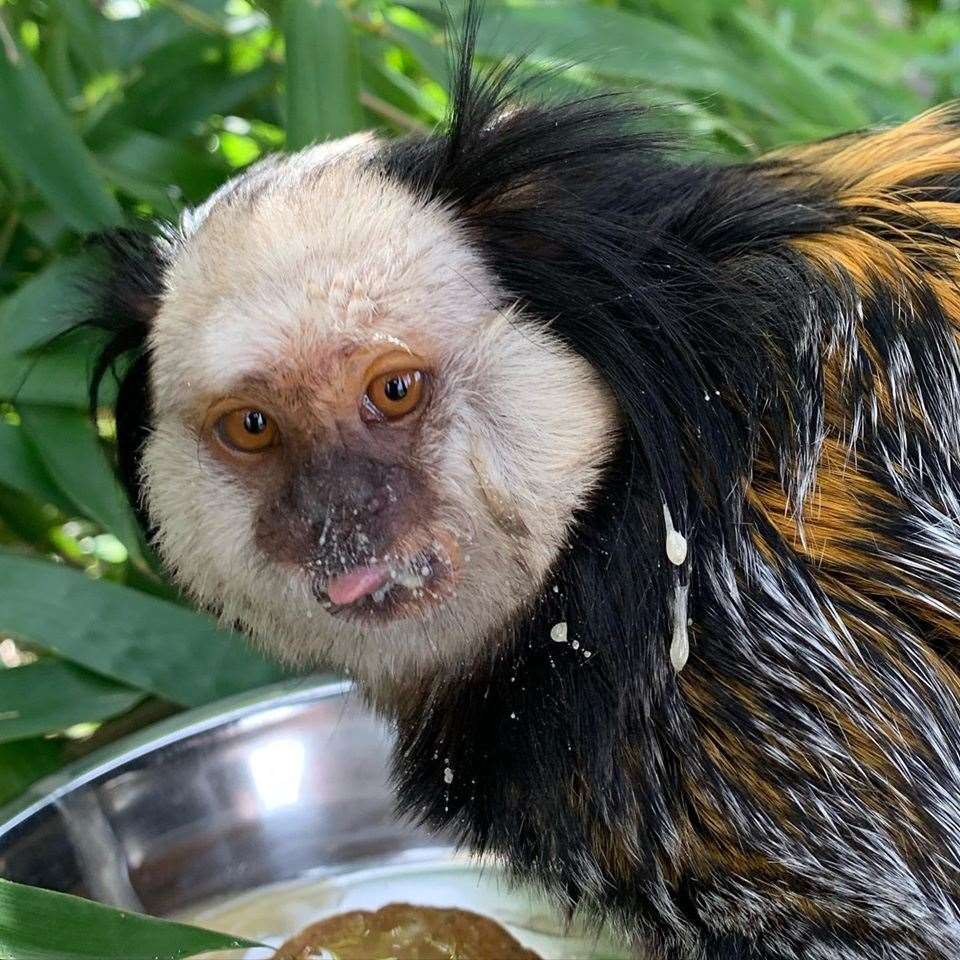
624, 482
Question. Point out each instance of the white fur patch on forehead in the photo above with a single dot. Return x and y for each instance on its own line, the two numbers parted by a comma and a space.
310, 255
260, 174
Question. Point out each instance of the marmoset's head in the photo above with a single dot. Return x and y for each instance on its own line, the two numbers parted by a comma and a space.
359, 448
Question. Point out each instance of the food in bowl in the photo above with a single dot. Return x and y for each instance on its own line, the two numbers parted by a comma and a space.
402, 931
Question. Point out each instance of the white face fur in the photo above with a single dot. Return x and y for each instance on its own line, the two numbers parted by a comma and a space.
294, 285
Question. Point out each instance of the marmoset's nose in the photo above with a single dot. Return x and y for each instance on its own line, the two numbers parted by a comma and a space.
339, 508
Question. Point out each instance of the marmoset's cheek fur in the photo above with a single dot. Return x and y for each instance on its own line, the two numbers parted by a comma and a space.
627, 486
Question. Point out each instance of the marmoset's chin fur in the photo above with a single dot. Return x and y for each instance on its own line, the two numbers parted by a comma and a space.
664, 566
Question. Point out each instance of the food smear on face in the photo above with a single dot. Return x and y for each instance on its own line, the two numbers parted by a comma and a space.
401, 931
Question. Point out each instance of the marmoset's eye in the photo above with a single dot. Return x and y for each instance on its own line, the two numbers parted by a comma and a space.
247, 429
393, 395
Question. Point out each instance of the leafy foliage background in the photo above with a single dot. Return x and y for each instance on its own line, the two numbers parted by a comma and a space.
117, 110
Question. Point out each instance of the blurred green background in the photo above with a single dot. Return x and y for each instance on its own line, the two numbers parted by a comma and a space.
117, 110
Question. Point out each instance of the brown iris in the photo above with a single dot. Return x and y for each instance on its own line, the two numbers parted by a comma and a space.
394, 394
247, 429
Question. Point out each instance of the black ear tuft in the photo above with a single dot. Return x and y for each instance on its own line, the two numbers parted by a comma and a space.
506, 152
127, 301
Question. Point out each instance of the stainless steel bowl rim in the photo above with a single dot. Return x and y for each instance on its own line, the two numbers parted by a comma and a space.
288, 693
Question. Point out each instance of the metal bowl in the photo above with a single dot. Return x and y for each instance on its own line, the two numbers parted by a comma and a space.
257, 815
240, 795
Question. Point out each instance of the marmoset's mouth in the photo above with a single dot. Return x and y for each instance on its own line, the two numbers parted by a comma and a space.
392, 589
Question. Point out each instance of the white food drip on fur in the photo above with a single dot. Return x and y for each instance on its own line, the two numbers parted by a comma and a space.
680, 644
676, 541
558, 632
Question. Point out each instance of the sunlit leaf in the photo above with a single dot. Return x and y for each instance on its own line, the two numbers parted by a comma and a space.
40, 924
37, 137
67, 445
51, 695
135, 639
323, 73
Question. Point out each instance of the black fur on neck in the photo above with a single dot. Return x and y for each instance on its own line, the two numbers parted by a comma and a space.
676, 284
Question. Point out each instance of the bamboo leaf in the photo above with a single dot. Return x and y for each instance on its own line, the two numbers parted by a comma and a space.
432, 56
57, 64
133, 155
801, 82
38, 924
171, 99
408, 98
85, 24
21, 469
27, 518
23, 762
50, 302
615, 44
67, 445
323, 72
60, 375
137, 40
37, 138
50, 695
129, 636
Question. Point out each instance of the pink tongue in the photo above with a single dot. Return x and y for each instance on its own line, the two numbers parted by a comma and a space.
357, 583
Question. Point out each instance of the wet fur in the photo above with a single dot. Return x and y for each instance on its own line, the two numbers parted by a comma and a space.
781, 340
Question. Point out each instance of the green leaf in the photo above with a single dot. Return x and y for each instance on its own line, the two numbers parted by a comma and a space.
397, 89
68, 446
432, 57
323, 72
44, 226
57, 65
26, 761
50, 695
38, 924
134, 638
133, 155
622, 46
800, 82
84, 23
171, 99
38, 139
22, 469
59, 376
135, 40
50, 302
27, 518
47, 304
